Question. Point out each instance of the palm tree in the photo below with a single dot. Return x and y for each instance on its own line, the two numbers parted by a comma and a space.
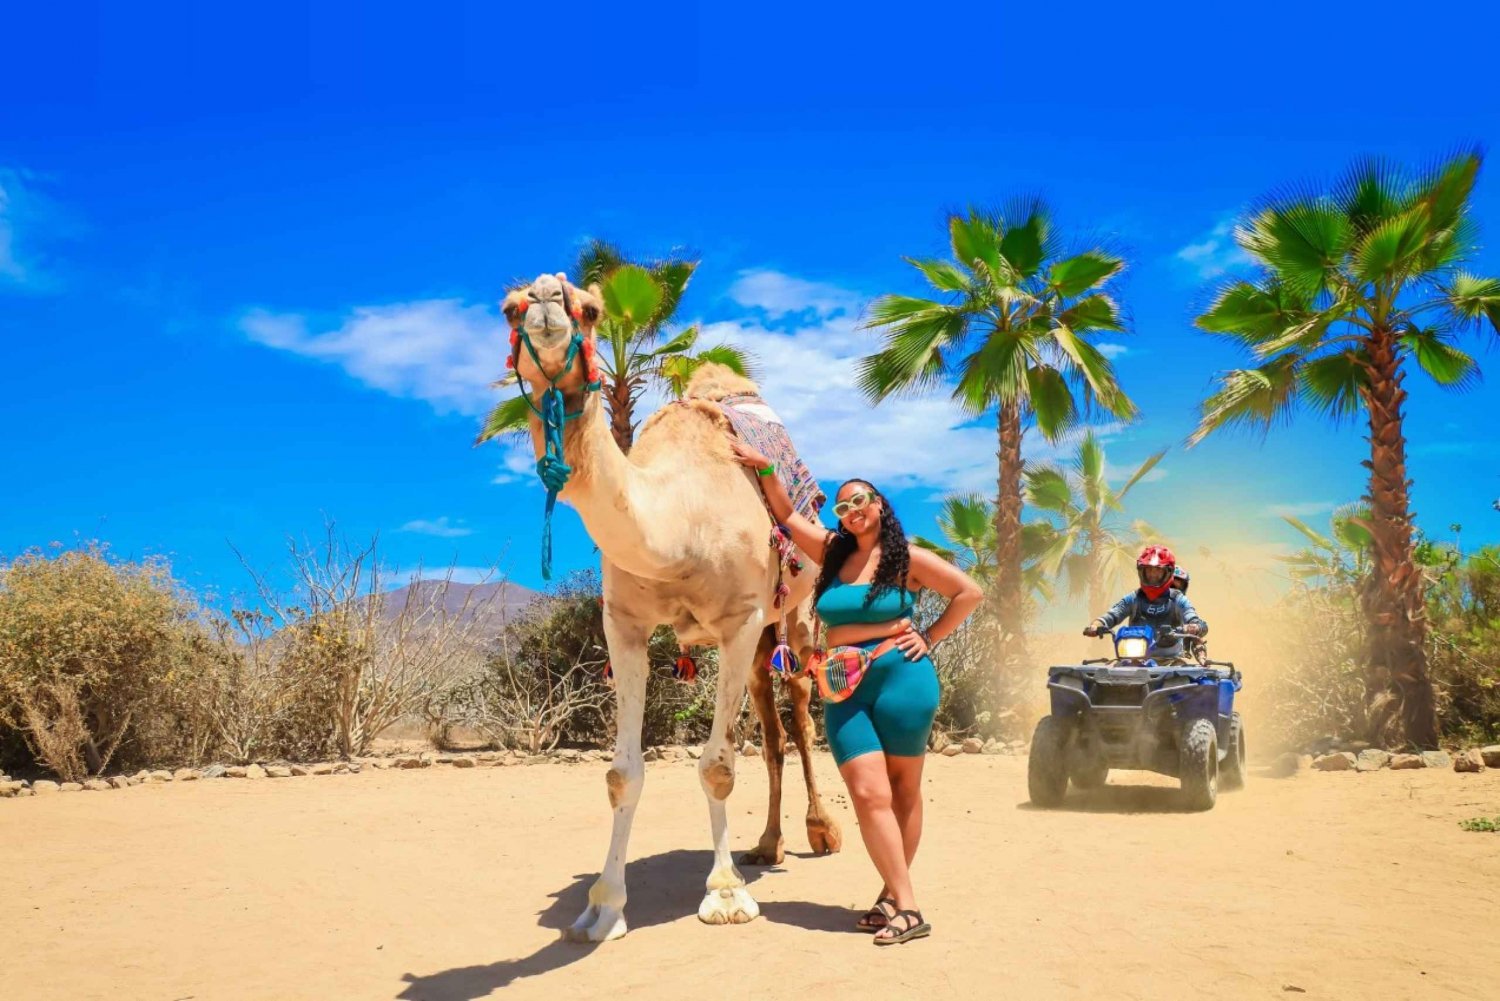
1009, 329
1355, 288
640, 302
1086, 544
967, 523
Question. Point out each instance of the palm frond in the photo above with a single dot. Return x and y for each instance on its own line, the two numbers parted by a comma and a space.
1250, 397
1436, 355
507, 417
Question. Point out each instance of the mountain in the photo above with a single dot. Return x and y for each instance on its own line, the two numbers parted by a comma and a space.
493, 603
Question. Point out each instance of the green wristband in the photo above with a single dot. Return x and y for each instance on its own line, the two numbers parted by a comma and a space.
767, 471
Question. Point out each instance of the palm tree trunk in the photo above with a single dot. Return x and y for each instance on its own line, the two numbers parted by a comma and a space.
1010, 593
621, 412
1393, 598
1096, 582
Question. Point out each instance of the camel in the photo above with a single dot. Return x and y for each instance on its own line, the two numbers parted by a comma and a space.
683, 535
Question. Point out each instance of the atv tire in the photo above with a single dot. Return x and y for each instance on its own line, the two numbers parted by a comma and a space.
1047, 765
1232, 774
1198, 765
1090, 770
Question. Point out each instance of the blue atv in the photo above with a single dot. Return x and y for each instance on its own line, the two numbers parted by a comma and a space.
1128, 711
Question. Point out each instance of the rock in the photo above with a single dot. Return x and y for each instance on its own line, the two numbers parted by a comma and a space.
97, 785
350, 768
750, 750
379, 763
952, 751
160, 775
940, 741
186, 775
322, 768
71, 787
571, 755
464, 763
9, 789
42, 786
299, 771
489, 757
1400, 762
119, 782
695, 751
1437, 759
25, 791
972, 745
537, 759
235, 771
1286, 765
255, 772
992, 746
1371, 760
214, 772
651, 754
1469, 761
1491, 755
278, 772
142, 775
444, 759
1336, 761
408, 762
1016, 745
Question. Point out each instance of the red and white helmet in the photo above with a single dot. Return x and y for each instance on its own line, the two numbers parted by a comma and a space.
1154, 567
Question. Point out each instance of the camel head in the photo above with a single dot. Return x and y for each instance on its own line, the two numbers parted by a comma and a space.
545, 313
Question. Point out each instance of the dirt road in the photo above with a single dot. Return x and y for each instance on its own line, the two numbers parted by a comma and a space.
443, 885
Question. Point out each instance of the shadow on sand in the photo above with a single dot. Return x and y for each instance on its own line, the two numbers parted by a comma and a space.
663, 888
1119, 799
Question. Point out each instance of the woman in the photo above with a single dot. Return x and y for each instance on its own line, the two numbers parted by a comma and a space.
865, 596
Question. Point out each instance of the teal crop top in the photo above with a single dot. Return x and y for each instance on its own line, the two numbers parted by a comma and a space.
843, 604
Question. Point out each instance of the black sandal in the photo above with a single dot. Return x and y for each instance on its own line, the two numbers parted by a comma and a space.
878, 912
915, 928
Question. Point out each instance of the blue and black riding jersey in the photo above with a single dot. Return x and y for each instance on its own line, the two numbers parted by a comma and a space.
1171, 611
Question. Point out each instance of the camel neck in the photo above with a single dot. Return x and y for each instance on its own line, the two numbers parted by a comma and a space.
609, 492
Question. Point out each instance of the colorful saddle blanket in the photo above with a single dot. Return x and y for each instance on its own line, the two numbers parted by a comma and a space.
757, 424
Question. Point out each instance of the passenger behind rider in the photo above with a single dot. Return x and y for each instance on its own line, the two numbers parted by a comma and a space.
1156, 603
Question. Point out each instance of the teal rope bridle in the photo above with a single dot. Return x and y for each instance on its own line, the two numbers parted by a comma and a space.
550, 468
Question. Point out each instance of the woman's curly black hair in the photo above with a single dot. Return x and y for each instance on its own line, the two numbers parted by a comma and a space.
895, 557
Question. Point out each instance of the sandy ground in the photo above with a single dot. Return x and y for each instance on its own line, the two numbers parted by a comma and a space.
444, 884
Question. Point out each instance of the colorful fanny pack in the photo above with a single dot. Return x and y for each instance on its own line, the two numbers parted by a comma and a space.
839, 671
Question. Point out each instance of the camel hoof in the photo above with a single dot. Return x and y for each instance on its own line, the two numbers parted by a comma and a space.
728, 907
597, 924
760, 855
825, 838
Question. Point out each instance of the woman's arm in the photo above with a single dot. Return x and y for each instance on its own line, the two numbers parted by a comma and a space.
810, 537
936, 574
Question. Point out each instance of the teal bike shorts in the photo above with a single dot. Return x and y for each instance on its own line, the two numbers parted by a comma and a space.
891, 710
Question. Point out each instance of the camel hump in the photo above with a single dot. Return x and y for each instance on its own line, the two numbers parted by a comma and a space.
713, 381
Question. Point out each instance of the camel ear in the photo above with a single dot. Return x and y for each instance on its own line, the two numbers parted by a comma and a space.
514, 308
589, 305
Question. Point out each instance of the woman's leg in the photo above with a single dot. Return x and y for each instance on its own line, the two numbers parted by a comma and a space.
905, 775
870, 792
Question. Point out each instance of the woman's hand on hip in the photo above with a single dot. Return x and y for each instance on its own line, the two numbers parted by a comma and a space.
911, 644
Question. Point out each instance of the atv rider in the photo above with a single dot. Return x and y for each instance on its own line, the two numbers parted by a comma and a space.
1180, 578
1156, 603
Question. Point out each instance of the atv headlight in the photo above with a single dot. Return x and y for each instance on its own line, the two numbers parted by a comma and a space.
1132, 648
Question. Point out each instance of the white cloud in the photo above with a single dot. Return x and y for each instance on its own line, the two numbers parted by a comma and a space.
447, 353
780, 296
517, 463
1215, 254
22, 213
438, 350
1303, 509
1112, 351
442, 528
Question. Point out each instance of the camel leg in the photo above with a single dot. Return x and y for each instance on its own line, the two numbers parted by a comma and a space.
604, 918
770, 850
823, 834
726, 901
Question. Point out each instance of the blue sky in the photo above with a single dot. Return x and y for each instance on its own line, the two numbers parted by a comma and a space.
249, 260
